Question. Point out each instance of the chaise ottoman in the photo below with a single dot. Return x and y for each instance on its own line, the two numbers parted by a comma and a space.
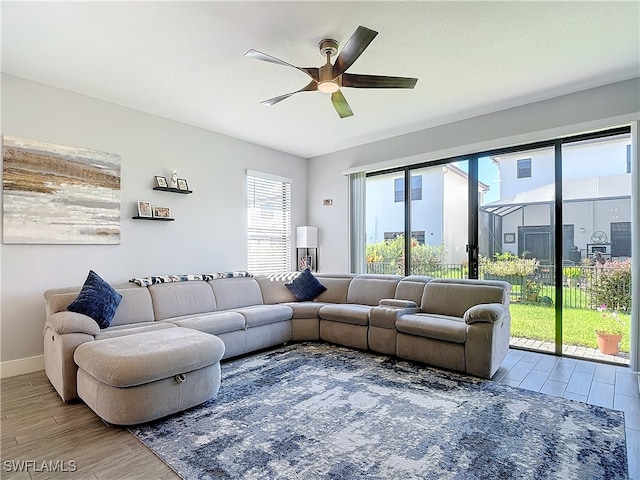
141, 377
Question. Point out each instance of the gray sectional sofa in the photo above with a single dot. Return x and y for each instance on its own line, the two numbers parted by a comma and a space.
461, 325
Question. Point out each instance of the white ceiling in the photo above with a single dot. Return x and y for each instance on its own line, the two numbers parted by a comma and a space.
185, 60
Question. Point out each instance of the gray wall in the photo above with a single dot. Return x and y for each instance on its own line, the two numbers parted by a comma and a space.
607, 106
209, 234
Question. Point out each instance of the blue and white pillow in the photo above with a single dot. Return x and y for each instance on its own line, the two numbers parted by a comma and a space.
97, 300
305, 286
155, 279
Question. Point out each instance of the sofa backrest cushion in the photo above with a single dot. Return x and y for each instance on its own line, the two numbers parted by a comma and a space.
177, 299
453, 297
273, 289
370, 289
135, 306
412, 288
236, 292
337, 287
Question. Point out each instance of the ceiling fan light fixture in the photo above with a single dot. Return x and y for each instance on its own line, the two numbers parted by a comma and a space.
328, 86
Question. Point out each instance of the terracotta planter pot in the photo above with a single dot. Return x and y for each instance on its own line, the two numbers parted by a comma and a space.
608, 343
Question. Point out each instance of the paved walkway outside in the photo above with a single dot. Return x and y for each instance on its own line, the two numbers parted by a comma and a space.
574, 351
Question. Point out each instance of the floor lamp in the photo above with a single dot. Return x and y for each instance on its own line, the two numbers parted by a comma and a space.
307, 239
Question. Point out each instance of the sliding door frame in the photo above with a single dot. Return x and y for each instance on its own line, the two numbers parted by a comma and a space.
473, 206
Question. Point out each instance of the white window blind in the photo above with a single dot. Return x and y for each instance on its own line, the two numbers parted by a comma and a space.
268, 223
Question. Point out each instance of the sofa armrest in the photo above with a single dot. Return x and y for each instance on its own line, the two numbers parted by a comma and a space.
72, 322
385, 316
486, 312
395, 302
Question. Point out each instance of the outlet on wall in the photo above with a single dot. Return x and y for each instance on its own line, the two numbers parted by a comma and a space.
327, 202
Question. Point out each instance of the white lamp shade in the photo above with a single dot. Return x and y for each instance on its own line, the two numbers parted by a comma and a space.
307, 237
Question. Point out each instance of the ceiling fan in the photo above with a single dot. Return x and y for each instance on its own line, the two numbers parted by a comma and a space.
329, 78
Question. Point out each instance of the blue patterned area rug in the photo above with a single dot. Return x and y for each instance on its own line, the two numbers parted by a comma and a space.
314, 411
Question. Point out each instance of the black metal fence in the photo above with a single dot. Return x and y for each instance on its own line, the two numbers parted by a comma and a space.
578, 282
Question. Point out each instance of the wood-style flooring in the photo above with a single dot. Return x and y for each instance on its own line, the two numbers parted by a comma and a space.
72, 441
68, 441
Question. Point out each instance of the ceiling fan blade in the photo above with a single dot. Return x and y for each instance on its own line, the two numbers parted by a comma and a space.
354, 47
313, 72
311, 86
340, 104
376, 81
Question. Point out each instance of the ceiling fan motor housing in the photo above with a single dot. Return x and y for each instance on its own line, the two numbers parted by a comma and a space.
328, 46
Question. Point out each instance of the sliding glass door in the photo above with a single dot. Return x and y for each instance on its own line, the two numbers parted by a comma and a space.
439, 226
596, 260
517, 232
553, 219
429, 235
385, 224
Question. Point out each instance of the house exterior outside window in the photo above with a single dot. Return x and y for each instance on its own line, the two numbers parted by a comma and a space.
596, 190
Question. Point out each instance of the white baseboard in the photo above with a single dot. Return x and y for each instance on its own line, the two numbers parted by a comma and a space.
21, 366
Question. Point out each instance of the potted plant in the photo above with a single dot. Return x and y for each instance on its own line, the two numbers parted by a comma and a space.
609, 331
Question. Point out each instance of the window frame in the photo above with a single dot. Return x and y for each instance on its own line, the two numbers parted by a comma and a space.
416, 188
524, 171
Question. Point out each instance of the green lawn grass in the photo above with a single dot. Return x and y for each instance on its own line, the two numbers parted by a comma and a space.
537, 322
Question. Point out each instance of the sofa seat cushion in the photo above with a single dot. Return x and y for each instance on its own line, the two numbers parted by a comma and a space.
133, 328
306, 309
346, 313
146, 357
439, 327
213, 323
264, 314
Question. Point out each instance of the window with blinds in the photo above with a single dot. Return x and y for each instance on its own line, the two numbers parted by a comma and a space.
268, 223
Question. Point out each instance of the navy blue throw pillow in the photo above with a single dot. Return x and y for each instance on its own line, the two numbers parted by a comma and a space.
97, 300
305, 286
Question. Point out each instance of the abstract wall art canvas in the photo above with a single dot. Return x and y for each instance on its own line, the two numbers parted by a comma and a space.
55, 194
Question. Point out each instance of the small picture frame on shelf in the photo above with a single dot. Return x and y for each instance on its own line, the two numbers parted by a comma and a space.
161, 181
162, 212
144, 209
509, 238
182, 184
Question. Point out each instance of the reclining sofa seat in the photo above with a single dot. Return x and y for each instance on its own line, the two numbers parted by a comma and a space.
348, 323
463, 325
382, 332
64, 331
305, 320
230, 308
